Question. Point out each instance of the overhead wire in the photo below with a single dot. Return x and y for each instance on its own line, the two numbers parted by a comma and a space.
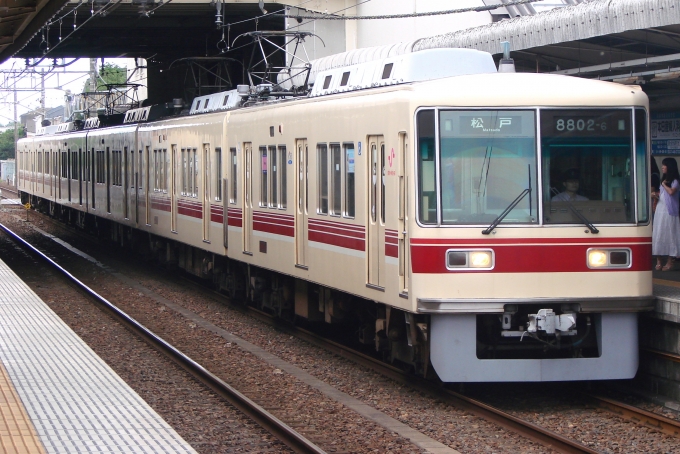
332, 16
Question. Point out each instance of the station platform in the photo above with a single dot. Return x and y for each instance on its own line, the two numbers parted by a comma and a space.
58, 396
667, 293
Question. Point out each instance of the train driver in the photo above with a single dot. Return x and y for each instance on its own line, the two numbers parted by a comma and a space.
571, 185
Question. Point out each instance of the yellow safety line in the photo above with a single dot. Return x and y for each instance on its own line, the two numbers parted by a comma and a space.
666, 283
17, 434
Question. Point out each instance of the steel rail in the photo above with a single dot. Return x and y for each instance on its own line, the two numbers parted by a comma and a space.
512, 423
517, 425
665, 355
269, 422
646, 418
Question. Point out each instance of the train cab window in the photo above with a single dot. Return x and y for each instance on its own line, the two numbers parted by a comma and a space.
473, 165
263, 177
322, 161
487, 161
588, 166
233, 176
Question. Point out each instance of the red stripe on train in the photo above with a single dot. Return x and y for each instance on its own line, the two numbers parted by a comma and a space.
275, 223
547, 258
234, 217
498, 241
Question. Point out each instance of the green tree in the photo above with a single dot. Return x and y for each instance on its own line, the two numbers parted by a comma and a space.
108, 74
7, 145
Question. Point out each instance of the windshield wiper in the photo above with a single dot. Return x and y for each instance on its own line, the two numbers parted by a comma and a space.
506, 211
580, 215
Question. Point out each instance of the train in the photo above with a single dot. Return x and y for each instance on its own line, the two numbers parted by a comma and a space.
466, 222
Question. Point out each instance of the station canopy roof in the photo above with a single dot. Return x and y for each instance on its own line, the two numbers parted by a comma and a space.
629, 41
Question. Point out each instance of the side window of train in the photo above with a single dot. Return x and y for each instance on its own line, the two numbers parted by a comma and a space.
100, 171
184, 171
233, 176
322, 170
336, 180
64, 164
155, 170
263, 177
132, 168
218, 174
349, 180
194, 173
283, 198
140, 180
164, 168
274, 176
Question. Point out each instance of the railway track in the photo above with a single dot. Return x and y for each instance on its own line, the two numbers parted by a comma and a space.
503, 419
478, 408
269, 422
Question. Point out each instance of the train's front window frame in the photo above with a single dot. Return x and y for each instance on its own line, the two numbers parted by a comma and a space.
475, 163
588, 162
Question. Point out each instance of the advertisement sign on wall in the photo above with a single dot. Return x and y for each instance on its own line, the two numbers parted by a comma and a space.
666, 133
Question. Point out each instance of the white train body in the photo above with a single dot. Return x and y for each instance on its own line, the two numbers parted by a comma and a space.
370, 205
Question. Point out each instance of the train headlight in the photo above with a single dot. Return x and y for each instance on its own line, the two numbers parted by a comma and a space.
608, 258
476, 259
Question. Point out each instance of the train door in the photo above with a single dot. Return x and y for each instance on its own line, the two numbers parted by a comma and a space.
173, 188
402, 233
376, 212
247, 196
206, 192
301, 209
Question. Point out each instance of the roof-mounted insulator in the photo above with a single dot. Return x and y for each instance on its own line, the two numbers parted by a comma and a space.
507, 64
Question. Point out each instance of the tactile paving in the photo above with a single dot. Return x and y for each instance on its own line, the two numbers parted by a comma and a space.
75, 401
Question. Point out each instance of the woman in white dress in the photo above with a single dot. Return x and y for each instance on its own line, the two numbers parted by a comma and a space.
666, 229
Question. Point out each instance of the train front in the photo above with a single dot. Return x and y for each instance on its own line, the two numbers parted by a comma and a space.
532, 245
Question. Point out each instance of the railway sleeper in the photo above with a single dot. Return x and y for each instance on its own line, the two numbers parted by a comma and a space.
401, 337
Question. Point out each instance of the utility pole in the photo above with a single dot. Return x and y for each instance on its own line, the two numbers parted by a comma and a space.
42, 95
16, 129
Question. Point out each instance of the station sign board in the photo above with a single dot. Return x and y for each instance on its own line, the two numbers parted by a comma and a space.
665, 133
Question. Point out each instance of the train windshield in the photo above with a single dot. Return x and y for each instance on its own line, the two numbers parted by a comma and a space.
587, 166
487, 159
